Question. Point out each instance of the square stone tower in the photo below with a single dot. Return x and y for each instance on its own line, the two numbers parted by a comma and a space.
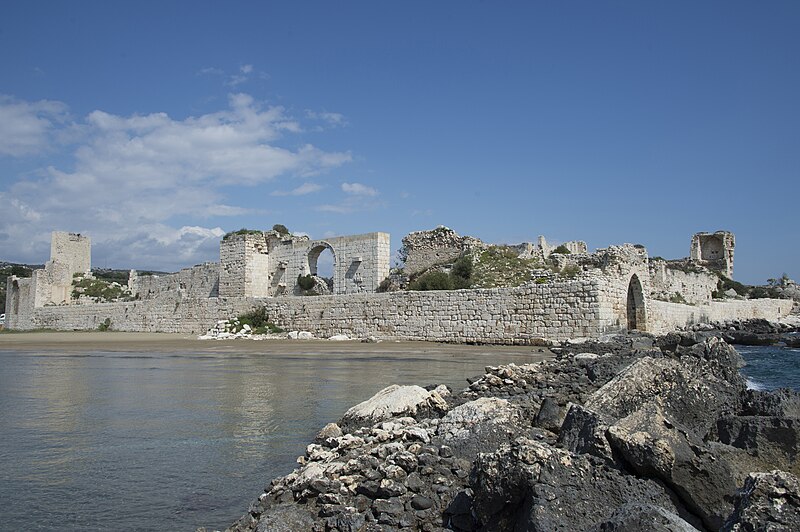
714, 250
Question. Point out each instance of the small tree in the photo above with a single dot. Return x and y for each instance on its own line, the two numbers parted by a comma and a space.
306, 282
562, 249
280, 229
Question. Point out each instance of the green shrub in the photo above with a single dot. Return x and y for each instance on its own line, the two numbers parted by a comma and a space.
258, 320
570, 271
106, 325
562, 249
462, 272
280, 229
433, 280
306, 282
98, 289
677, 297
242, 231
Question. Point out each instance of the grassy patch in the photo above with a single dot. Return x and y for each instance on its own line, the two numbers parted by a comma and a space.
100, 290
502, 266
242, 231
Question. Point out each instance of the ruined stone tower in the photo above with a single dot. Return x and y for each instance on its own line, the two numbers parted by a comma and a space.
714, 250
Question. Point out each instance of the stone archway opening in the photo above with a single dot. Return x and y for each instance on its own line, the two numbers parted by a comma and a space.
322, 263
637, 318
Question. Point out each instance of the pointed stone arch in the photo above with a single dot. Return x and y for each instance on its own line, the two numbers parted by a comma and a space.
636, 312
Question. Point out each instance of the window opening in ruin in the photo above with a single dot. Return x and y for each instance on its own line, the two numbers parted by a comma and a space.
15, 298
711, 248
635, 306
321, 263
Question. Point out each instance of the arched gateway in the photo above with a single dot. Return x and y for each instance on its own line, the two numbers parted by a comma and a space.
637, 317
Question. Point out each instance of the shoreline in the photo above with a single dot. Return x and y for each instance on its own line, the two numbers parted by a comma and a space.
171, 342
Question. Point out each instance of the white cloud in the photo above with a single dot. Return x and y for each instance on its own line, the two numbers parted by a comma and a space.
131, 176
27, 128
246, 69
302, 190
330, 119
357, 189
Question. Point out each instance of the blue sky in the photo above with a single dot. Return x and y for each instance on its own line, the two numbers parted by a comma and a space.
155, 127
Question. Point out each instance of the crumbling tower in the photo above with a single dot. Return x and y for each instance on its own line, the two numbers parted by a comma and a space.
714, 250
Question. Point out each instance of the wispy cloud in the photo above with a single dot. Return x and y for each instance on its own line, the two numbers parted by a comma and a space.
302, 190
129, 177
357, 189
327, 118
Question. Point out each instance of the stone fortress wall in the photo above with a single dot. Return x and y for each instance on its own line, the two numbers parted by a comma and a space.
611, 293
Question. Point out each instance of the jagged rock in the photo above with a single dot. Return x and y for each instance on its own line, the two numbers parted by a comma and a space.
637, 517
479, 426
774, 440
331, 430
530, 486
782, 402
285, 518
690, 388
393, 401
656, 446
583, 431
550, 416
768, 501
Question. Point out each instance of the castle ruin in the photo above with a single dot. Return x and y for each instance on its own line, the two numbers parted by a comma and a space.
612, 289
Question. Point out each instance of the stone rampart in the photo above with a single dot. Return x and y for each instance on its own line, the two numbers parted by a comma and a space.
196, 282
694, 287
665, 316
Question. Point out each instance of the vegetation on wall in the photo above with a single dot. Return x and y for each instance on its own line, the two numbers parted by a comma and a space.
502, 266
258, 320
100, 290
562, 249
242, 231
460, 276
280, 229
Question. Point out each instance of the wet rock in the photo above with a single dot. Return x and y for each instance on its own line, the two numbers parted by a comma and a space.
768, 501
285, 518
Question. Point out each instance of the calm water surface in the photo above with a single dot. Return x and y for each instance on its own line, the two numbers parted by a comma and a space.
173, 441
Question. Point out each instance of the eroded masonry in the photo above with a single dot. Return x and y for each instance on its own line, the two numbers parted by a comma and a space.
556, 292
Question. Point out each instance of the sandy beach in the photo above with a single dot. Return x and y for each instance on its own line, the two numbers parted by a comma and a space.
125, 341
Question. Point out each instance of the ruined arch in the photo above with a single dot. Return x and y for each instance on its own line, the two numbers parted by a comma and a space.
637, 316
313, 257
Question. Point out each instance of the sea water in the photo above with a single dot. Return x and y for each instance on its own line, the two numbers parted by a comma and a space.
175, 441
770, 367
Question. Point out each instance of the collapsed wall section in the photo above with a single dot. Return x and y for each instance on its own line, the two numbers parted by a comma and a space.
199, 281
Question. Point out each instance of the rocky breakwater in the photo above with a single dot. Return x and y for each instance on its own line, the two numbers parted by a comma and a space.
634, 433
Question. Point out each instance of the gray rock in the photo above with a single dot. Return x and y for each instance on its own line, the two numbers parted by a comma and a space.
479, 426
782, 402
421, 503
637, 517
531, 486
285, 518
656, 446
393, 401
583, 431
768, 501
550, 416
774, 440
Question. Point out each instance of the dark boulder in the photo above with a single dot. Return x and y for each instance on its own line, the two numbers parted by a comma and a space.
768, 501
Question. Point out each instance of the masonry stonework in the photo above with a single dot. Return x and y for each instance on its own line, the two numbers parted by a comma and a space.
611, 292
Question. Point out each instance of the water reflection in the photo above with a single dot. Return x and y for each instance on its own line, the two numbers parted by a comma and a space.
150, 441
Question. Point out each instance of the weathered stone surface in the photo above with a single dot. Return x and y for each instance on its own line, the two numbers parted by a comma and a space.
658, 447
479, 426
285, 518
637, 517
550, 416
768, 501
530, 486
693, 391
392, 401
583, 431
774, 440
